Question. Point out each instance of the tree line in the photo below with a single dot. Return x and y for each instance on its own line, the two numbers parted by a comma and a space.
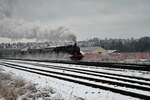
121, 45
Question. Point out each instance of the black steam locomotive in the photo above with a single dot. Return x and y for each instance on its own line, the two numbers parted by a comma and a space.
74, 50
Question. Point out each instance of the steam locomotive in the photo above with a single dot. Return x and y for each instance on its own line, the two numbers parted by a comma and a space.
74, 50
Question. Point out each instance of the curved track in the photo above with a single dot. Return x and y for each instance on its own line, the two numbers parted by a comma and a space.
124, 84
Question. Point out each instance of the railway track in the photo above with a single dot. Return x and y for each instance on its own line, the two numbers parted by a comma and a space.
132, 79
81, 69
119, 65
124, 84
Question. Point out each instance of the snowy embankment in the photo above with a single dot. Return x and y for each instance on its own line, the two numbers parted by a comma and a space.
21, 85
69, 90
14, 87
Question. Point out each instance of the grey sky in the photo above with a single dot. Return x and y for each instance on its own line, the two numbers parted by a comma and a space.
88, 18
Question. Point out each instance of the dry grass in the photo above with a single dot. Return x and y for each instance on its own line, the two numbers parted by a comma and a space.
16, 88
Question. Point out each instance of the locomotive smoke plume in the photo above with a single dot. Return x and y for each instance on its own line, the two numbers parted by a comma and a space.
18, 28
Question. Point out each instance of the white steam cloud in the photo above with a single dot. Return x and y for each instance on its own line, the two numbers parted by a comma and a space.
17, 28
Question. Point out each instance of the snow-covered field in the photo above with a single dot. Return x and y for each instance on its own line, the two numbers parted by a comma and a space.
16, 87
74, 91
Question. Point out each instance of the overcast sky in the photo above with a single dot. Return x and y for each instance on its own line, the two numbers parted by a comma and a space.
88, 18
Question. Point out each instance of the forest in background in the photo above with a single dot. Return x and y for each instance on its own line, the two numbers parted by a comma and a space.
121, 45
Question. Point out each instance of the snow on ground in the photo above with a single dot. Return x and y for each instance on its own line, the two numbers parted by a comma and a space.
69, 90
138, 73
14, 87
80, 74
